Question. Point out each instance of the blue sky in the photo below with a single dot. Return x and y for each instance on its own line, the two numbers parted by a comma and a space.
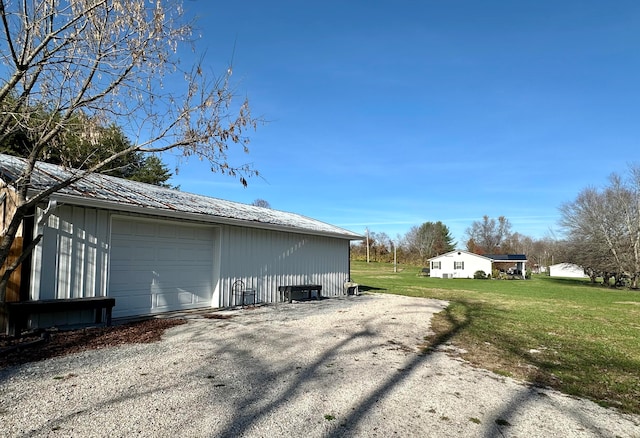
389, 114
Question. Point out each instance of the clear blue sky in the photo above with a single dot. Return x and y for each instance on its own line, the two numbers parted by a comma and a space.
389, 114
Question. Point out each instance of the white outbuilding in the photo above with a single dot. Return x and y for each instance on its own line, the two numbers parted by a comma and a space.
157, 250
568, 270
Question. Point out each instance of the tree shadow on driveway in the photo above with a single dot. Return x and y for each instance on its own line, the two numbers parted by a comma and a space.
260, 389
304, 393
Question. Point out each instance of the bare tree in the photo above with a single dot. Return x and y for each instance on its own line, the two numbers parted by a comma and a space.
546, 251
604, 226
380, 247
429, 239
261, 203
487, 236
101, 62
517, 243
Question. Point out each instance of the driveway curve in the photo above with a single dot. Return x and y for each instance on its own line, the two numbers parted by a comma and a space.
341, 367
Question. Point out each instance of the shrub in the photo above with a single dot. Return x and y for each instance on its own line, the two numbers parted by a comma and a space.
480, 275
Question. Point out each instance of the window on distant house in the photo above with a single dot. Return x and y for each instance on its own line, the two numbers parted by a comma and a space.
435, 265
458, 265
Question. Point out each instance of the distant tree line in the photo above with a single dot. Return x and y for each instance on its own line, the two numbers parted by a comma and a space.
601, 234
416, 247
379, 246
486, 236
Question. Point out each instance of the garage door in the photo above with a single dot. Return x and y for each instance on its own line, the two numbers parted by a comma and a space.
158, 266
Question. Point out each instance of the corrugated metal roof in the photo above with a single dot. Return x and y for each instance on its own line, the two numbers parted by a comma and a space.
155, 200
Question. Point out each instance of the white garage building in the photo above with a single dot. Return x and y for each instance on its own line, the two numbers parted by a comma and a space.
157, 250
568, 270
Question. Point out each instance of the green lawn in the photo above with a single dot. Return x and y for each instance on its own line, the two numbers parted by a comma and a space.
567, 334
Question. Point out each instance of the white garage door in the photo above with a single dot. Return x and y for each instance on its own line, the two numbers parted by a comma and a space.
158, 266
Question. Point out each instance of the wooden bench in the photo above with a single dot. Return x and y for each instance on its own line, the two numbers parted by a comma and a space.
19, 311
288, 290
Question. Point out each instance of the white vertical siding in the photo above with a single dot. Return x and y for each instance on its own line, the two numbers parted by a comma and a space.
264, 260
71, 259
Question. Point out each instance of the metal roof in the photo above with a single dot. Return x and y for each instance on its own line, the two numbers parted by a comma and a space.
507, 257
105, 191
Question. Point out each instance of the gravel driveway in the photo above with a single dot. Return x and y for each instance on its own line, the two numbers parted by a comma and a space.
338, 367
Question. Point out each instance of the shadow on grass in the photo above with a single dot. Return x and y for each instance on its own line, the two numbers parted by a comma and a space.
298, 379
590, 371
257, 388
545, 372
580, 282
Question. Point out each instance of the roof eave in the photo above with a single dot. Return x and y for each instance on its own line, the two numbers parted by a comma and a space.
460, 251
199, 217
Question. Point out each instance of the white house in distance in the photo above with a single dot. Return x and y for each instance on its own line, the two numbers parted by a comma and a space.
157, 250
569, 270
463, 264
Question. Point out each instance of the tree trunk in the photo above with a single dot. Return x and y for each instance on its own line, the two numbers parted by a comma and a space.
606, 279
12, 290
13, 285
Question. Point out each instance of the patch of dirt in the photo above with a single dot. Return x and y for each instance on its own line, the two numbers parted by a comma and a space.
216, 316
36, 347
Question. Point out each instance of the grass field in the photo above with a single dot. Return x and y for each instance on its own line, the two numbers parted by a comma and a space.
581, 339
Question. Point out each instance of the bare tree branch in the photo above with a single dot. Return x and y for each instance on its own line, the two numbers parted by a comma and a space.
603, 228
104, 62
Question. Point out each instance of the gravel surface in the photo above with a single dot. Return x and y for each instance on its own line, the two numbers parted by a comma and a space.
337, 367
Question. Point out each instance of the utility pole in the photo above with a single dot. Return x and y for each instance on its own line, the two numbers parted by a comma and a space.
395, 258
367, 244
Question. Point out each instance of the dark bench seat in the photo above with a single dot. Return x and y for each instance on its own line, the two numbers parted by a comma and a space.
19, 311
287, 291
